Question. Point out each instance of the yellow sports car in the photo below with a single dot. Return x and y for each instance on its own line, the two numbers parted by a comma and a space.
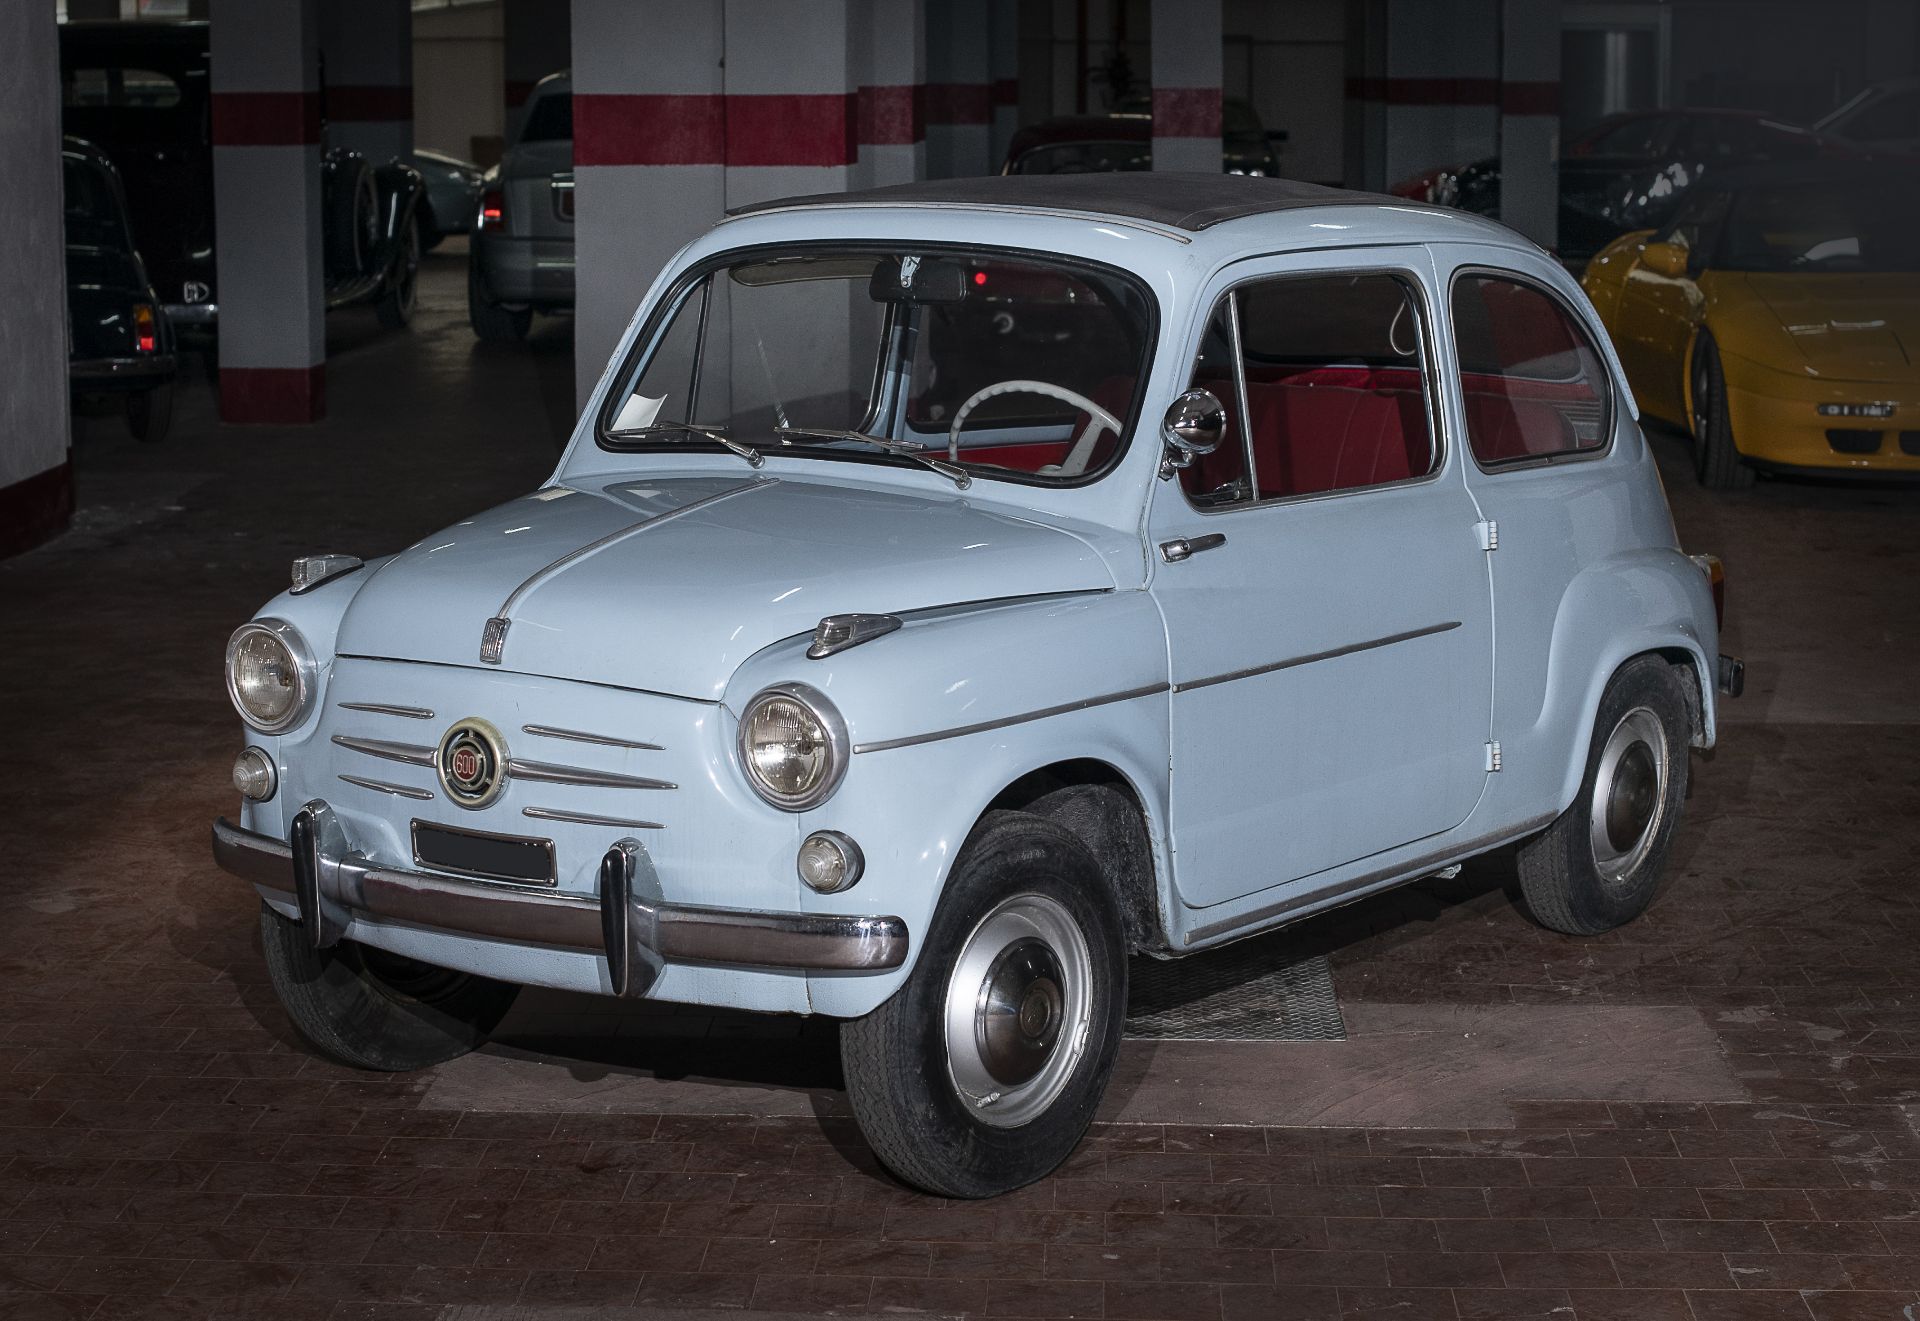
1776, 317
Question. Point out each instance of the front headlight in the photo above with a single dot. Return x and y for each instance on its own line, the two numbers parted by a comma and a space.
793, 746
270, 674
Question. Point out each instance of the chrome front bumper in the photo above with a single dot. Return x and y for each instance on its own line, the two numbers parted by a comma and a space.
629, 923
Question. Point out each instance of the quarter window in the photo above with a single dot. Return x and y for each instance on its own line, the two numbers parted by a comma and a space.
1335, 389
1532, 383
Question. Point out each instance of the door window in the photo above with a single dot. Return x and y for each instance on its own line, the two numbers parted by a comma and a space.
1324, 381
1532, 383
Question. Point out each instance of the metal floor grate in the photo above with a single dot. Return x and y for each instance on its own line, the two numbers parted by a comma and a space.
1256, 990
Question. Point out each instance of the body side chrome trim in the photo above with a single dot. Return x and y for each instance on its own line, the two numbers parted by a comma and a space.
384, 709
381, 786
620, 534
411, 754
586, 818
1309, 659
548, 773
1353, 887
581, 736
1065, 708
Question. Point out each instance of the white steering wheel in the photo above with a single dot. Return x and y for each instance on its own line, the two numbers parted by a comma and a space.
1098, 420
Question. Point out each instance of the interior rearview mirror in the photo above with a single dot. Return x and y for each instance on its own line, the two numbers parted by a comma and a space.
912, 279
1195, 424
1668, 259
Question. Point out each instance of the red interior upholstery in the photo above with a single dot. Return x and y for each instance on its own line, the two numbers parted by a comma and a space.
1324, 429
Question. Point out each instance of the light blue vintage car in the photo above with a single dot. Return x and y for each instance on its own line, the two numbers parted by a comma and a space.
952, 588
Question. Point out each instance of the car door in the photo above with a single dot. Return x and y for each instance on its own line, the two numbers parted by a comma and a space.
1323, 583
1658, 313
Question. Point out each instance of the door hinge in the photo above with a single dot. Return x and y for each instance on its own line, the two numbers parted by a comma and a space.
1489, 534
1493, 756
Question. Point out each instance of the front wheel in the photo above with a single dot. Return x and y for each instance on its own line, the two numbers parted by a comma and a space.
983, 1071
1598, 865
395, 308
1716, 459
374, 1010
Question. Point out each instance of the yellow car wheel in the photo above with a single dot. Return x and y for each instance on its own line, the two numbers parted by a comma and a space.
1716, 460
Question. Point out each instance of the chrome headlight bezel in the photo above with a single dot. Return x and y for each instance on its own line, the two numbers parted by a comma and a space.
832, 730
305, 671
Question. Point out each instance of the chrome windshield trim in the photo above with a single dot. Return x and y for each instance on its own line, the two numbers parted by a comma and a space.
410, 754
383, 709
620, 534
1292, 662
581, 736
913, 740
587, 819
382, 787
547, 773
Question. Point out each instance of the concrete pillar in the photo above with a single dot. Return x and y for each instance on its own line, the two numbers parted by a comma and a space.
1423, 86
266, 206
366, 49
1004, 66
36, 478
1530, 118
536, 39
1186, 85
959, 89
893, 87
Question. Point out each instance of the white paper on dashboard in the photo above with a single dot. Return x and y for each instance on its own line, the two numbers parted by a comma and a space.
639, 411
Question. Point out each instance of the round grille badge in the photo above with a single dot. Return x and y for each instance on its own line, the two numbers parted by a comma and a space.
472, 762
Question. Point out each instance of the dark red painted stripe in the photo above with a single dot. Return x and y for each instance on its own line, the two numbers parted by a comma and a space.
265, 119
365, 104
1006, 91
819, 129
1426, 91
1529, 98
274, 396
36, 508
1186, 112
959, 103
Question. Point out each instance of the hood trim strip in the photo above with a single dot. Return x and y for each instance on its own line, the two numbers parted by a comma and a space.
914, 740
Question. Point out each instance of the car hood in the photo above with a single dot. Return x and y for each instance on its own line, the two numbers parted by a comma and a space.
1839, 327
668, 585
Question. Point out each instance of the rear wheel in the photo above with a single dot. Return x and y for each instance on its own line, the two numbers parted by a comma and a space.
982, 1072
150, 412
1716, 460
395, 307
1598, 865
374, 1010
492, 323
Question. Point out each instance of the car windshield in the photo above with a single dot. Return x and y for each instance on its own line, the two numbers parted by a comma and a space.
1852, 227
550, 119
985, 362
93, 221
1085, 158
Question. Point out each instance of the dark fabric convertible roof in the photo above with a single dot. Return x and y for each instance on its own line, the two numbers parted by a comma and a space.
1182, 201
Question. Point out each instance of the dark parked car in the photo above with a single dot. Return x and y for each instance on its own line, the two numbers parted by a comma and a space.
1629, 171
1099, 144
453, 194
138, 92
119, 339
521, 258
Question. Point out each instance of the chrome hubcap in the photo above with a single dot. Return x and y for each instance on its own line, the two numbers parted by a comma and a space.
1018, 1004
1629, 795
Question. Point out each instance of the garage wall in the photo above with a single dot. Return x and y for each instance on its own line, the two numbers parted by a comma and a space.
1288, 57
36, 480
1785, 58
457, 77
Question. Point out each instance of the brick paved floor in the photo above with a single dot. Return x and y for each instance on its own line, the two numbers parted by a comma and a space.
167, 1149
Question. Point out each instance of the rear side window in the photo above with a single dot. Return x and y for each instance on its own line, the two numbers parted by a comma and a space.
1334, 374
1532, 383
550, 119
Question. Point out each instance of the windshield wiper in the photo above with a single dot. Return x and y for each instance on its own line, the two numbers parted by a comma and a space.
957, 475
747, 452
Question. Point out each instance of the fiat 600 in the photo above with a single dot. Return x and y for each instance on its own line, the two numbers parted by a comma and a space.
952, 589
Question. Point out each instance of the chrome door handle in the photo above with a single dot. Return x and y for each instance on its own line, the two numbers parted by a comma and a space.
1185, 548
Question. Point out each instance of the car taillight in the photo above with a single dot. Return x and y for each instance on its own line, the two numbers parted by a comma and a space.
145, 330
1717, 580
493, 209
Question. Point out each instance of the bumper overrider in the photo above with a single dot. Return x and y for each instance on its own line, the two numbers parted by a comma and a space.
637, 931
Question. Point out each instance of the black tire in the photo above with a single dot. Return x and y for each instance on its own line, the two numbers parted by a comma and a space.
904, 1090
1599, 864
492, 323
374, 1010
350, 227
1716, 459
395, 307
150, 413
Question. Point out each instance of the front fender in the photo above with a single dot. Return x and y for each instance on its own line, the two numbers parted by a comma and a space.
948, 711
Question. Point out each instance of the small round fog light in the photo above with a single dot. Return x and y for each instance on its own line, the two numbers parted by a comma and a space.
829, 862
254, 776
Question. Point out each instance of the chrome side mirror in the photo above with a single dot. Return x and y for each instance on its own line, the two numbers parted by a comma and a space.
1195, 424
